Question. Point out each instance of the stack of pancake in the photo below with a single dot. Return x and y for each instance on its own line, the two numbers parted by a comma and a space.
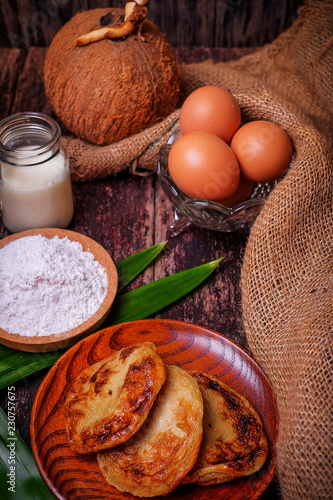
154, 426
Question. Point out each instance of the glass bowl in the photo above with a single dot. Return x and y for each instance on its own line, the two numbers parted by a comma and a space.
204, 213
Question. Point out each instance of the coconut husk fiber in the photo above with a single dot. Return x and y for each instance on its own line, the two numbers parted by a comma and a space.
287, 273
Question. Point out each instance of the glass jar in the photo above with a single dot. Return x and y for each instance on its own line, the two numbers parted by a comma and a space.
35, 184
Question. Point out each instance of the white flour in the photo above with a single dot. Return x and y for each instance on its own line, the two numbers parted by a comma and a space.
48, 286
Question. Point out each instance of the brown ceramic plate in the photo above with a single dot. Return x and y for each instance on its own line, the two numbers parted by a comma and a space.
69, 475
52, 342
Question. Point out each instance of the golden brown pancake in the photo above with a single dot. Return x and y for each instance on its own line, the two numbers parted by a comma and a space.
161, 453
234, 443
110, 400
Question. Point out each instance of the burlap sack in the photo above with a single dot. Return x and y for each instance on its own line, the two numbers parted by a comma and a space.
287, 274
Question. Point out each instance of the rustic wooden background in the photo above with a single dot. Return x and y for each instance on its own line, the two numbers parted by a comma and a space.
186, 23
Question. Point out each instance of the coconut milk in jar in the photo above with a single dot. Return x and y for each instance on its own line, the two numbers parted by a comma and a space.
35, 184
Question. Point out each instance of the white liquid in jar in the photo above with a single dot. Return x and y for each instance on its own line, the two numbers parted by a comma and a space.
37, 195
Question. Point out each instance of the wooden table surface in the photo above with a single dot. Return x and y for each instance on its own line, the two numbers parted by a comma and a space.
129, 213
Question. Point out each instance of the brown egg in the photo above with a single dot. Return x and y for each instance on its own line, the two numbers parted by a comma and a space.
263, 150
203, 166
243, 191
210, 109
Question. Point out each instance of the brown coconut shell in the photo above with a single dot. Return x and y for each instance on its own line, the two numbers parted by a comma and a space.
110, 89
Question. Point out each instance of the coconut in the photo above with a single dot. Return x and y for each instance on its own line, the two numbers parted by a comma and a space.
106, 89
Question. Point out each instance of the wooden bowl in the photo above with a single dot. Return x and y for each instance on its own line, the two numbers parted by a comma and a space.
65, 339
69, 475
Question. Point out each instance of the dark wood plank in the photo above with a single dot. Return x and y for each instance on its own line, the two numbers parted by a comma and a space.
12, 62
185, 23
35, 23
9, 25
119, 213
30, 95
212, 23
242, 23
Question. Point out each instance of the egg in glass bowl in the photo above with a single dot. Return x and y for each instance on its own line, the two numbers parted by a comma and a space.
207, 213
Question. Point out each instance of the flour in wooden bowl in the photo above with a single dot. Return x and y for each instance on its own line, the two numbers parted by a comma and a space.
48, 286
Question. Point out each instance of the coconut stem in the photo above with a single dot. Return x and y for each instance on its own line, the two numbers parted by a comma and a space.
135, 14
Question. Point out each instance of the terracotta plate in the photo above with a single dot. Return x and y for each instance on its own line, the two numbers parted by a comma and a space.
69, 475
68, 338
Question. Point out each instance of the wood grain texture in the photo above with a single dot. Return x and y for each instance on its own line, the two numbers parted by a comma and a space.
121, 211
253, 23
185, 23
12, 62
31, 95
207, 23
69, 475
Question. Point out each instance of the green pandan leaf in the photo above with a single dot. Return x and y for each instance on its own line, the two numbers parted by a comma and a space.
15, 365
19, 476
148, 299
131, 267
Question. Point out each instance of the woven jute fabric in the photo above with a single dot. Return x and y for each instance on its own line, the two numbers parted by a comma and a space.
287, 273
